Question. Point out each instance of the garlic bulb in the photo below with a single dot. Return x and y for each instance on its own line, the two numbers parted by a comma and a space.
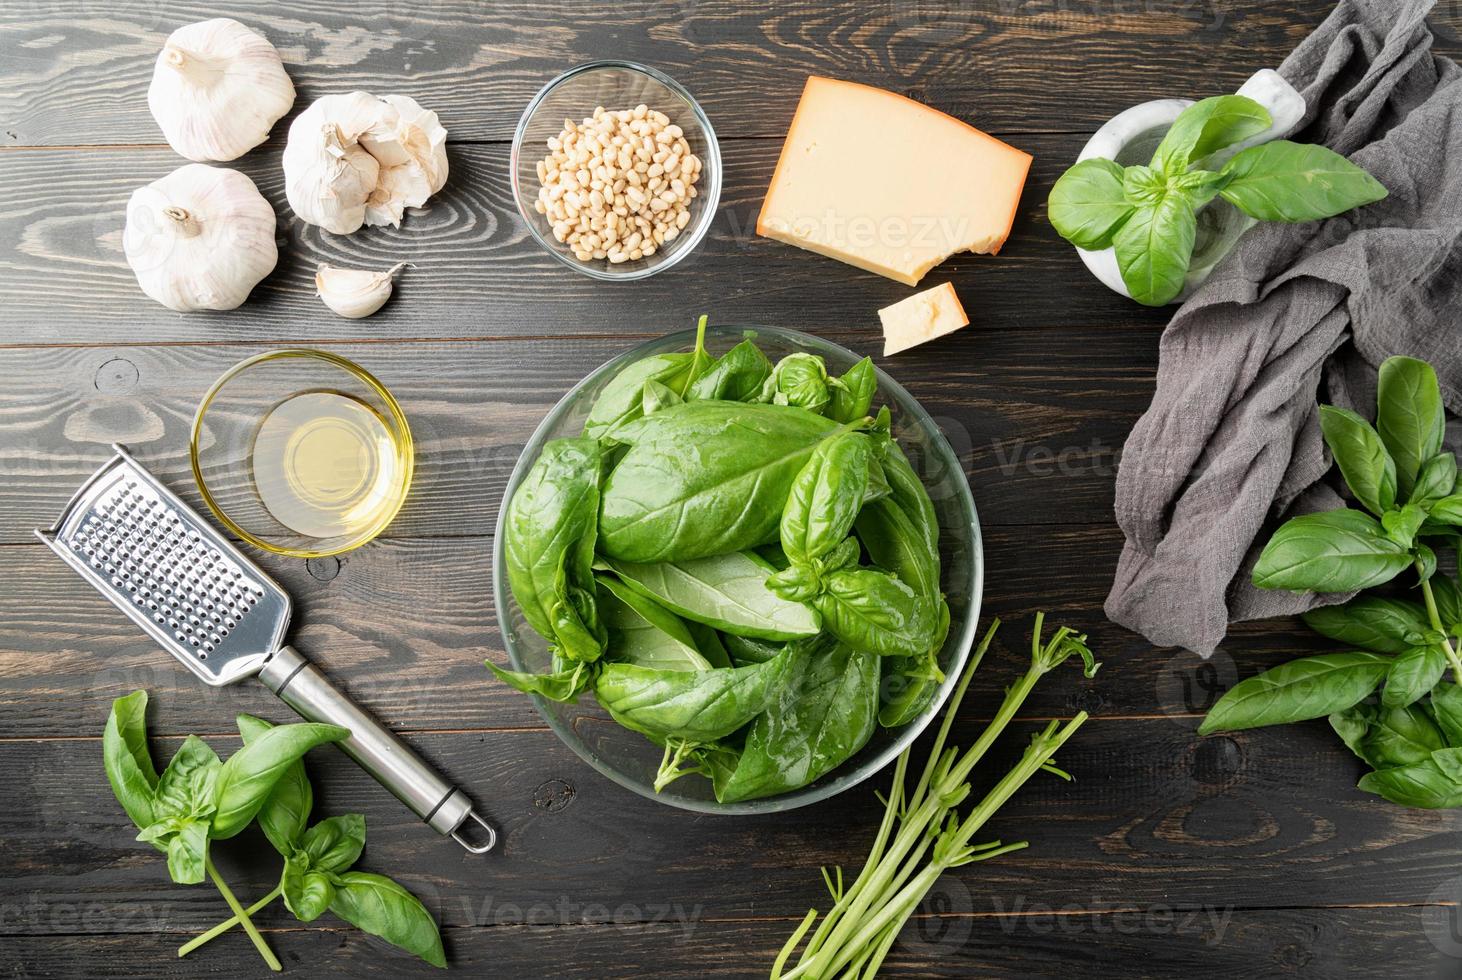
355, 159
354, 293
328, 175
218, 89
200, 238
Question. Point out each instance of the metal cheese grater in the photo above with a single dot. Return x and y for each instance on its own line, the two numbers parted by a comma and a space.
212, 608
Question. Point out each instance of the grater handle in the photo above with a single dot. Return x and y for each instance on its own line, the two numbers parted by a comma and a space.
444, 807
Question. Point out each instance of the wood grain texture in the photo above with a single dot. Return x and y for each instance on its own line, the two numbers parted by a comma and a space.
77, 71
476, 271
405, 625
1028, 420
1158, 942
1153, 817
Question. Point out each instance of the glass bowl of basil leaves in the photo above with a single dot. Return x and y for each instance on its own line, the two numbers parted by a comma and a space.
801, 617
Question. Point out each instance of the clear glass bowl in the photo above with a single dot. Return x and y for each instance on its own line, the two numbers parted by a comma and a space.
227, 430
614, 85
630, 759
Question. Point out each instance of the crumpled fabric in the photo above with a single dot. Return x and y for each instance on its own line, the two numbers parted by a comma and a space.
1294, 316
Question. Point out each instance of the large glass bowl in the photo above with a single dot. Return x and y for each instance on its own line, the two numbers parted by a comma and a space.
614, 85
632, 760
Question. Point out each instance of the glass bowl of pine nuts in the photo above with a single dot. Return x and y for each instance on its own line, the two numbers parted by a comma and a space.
616, 170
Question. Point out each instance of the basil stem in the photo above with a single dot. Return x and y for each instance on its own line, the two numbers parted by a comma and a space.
233, 903
229, 923
1431, 610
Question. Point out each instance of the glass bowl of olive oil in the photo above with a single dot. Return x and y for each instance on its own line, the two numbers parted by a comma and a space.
302, 453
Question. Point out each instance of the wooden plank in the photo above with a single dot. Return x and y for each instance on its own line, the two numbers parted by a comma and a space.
1264, 819
76, 78
405, 625
1159, 941
476, 272
1071, 395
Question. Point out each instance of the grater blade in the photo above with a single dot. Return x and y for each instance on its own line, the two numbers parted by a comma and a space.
159, 562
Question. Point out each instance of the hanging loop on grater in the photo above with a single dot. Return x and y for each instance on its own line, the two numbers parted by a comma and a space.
206, 603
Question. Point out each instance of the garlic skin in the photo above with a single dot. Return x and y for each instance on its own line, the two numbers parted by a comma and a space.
200, 238
357, 160
411, 146
328, 175
217, 90
354, 293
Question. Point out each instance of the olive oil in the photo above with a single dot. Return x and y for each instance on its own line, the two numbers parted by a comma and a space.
325, 464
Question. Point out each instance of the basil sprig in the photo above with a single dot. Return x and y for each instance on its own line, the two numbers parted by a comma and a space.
1148, 214
1389, 700
200, 798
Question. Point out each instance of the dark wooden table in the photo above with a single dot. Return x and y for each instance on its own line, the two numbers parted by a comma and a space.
1227, 856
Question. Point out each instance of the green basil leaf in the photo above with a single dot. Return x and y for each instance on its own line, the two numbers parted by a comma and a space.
307, 892
852, 396
1199, 186
1401, 525
704, 478
286, 811
1435, 481
1142, 186
622, 400
126, 758
737, 376
1296, 691
746, 650
870, 609
335, 843
1351, 725
825, 497
908, 684
1412, 675
728, 592
563, 686
823, 713
1448, 510
186, 786
1423, 784
896, 544
1446, 702
1368, 469
1426, 562
188, 852
1372, 623
1207, 126
643, 632
1448, 599
1284, 181
379, 906
1333, 551
1086, 206
250, 774
1154, 248
698, 706
1409, 416
656, 396
1401, 736
550, 529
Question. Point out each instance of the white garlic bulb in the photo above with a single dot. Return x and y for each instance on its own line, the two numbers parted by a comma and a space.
218, 89
355, 159
354, 293
200, 238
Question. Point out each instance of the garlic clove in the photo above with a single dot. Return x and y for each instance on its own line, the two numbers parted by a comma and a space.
217, 90
420, 133
354, 293
200, 238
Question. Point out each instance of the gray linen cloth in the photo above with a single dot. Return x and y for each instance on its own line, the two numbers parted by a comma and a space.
1297, 314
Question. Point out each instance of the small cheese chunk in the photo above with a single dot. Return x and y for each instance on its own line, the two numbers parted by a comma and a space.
887, 184
923, 316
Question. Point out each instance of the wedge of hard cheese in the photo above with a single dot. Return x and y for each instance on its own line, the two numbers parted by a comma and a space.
923, 316
888, 185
